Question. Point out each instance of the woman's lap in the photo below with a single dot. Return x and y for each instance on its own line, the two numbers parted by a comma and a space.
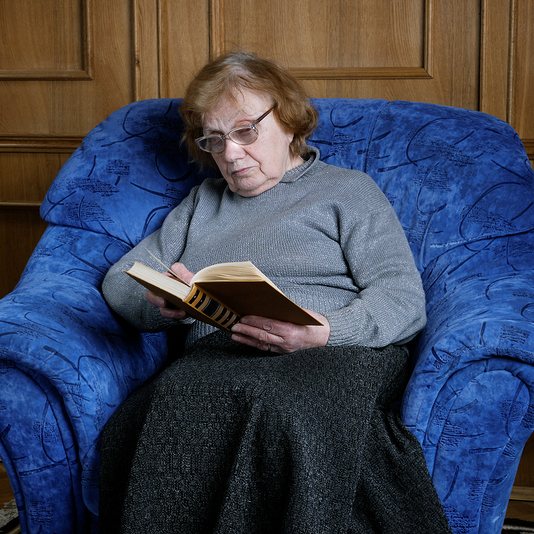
230, 440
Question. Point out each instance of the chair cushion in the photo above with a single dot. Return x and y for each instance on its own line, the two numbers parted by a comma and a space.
130, 171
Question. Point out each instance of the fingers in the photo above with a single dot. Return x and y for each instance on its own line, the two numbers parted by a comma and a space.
166, 309
182, 272
258, 332
155, 300
279, 337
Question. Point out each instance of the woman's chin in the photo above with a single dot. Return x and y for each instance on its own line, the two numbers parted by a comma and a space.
250, 186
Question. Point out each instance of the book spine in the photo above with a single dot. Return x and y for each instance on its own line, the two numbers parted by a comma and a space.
212, 308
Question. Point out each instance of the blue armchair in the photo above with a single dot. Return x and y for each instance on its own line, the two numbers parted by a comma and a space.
462, 186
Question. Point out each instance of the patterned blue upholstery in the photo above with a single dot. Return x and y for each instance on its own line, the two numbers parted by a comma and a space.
462, 186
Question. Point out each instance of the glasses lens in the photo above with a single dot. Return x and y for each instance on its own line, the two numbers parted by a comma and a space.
244, 136
211, 143
216, 143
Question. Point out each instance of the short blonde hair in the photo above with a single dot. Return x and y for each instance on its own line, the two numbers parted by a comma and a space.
234, 71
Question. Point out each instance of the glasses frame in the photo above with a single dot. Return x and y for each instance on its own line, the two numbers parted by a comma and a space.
228, 135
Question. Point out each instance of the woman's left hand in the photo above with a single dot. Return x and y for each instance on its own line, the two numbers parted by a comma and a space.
278, 336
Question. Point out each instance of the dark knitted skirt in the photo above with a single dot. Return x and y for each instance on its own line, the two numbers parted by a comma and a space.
230, 440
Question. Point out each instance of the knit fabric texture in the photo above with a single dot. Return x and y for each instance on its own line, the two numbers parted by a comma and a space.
326, 236
228, 440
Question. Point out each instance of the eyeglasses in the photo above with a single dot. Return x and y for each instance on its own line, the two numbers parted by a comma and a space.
242, 135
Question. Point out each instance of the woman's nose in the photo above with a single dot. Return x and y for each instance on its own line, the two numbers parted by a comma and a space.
232, 150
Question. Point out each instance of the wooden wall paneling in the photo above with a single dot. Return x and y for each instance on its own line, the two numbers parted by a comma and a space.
507, 65
521, 117
26, 177
62, 104
183, 43
36, 51
64, 66
76, 107
522, 78
523, 489
146, 14
324, 43
20, 230
418, 50
496, 57
327, 40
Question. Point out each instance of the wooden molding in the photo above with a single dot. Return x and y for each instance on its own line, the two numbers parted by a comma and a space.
522, 493
86, 69
44, 75
360, 73
40, 143
529, 147
511, 63
20, 205
216, 25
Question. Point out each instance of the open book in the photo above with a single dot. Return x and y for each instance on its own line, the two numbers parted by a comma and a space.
221, 294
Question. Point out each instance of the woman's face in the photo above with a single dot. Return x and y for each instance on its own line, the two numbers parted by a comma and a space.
250, 169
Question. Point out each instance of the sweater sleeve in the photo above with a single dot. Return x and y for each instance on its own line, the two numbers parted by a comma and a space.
126, 296
389, 305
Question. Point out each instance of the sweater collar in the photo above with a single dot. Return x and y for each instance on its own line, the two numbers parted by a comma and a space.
311, 156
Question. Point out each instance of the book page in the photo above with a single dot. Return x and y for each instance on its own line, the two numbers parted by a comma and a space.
244, 271
175, 286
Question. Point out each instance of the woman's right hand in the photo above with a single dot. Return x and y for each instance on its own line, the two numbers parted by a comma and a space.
167, 309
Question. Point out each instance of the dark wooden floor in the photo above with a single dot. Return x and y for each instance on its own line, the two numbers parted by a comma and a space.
521, 510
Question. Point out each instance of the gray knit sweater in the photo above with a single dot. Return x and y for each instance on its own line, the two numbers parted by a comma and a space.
326, 236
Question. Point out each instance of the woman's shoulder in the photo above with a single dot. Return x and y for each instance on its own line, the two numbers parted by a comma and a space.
344, 181
350, 192
334, 172
204, 192
209, 185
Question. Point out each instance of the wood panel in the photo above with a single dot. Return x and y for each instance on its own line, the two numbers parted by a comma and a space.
524, 480
33, 50
63, 105
145, 43
496, 57
522, 80
184, 43
20, 229
507, 65
26, 177
332, 41
60, 78
414, 50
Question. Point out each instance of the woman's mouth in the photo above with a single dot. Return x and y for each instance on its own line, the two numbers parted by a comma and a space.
240, 172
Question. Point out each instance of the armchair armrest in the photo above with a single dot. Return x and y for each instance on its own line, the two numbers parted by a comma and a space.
69, 361
469, 400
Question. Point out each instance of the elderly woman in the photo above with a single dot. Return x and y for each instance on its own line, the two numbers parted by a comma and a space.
276, 427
